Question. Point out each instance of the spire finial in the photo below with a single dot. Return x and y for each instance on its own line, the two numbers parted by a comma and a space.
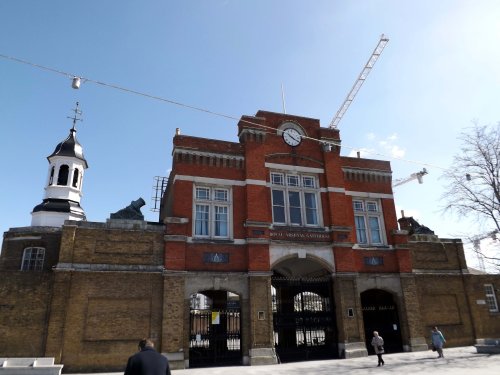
75, 116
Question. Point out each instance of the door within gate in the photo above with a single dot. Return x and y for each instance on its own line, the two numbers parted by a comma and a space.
380, 313
303, 319
215, 338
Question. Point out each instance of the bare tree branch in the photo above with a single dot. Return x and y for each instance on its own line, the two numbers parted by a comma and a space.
473, 185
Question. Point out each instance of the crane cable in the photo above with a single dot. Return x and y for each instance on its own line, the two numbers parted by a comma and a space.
204, 110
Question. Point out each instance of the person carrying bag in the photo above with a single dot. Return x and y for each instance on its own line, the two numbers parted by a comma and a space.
378, 346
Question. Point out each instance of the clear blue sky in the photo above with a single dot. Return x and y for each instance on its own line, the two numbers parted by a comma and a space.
439, 72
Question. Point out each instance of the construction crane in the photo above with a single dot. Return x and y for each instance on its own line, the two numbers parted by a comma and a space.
476, 243
359, 82
418, 175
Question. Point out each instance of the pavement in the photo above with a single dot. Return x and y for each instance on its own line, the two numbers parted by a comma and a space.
458, 361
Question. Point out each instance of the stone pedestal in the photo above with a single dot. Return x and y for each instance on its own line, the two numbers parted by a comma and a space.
176, 360
352, 350
417, 344
262, 356
29, 366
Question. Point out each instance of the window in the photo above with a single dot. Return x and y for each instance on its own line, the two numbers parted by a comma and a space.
212, 212
33, 259
296, 202
491, 299
308, 182
358, 205
220, 222
51, 178
292, 180
62, 178
75, 178
277, 179
203, 193
201, 220
311, 209
368, 221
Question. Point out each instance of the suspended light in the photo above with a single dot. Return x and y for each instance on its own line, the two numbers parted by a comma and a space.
76, 83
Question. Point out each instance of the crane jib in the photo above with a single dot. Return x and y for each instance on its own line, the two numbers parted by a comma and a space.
361, 79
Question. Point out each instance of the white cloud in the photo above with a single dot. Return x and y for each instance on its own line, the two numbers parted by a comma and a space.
393, 137
371, 136
391, 149
383, 147
397, 152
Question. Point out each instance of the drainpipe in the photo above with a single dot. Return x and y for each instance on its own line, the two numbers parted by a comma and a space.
462, 267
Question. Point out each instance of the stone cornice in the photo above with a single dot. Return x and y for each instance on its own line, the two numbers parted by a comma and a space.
99, 267
189, 151
175, 238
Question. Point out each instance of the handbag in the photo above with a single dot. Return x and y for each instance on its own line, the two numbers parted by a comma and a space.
380, 348
433, 348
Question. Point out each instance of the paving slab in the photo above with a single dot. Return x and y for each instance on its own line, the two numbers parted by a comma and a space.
457, 361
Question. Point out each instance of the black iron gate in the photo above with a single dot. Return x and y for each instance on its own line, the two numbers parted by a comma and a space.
215, 338
380, 313
303, 319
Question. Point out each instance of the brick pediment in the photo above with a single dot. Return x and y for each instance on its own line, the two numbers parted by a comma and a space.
294, 159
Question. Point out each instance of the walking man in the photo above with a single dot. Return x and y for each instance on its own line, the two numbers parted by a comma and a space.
147, 361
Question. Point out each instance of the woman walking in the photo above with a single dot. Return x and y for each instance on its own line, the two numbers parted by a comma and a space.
438, 341
378, 346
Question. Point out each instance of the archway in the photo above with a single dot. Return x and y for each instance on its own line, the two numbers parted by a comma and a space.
303, 311
380, 313
215, 329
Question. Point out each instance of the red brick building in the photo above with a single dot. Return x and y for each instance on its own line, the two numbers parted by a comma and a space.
273, 248
307, 239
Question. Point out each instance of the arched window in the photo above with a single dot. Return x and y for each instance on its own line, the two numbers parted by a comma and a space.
76, 174
33, 259
62, 179
308, 301
51, 178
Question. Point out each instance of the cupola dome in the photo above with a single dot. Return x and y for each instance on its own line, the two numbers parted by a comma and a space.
70, 147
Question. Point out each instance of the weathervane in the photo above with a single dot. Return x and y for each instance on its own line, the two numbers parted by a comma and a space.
75, 116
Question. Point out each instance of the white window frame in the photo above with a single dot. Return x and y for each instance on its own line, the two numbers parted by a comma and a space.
491, 298
219, 197
290, 182
33, 259
366, 210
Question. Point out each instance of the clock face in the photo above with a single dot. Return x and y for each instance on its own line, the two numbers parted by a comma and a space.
292, 137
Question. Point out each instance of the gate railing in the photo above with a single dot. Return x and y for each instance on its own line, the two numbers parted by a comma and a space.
303, 319
215, 337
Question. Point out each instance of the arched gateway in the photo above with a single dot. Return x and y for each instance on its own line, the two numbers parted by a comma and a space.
303, 311
214, 329
380, 313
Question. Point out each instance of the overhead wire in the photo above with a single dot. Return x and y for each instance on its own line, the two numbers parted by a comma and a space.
204, 110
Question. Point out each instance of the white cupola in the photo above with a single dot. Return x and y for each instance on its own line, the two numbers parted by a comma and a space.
63, 189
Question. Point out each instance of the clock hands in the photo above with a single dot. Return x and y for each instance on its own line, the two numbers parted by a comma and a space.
292, 137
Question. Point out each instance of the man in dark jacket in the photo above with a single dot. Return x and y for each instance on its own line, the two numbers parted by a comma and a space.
148, 361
